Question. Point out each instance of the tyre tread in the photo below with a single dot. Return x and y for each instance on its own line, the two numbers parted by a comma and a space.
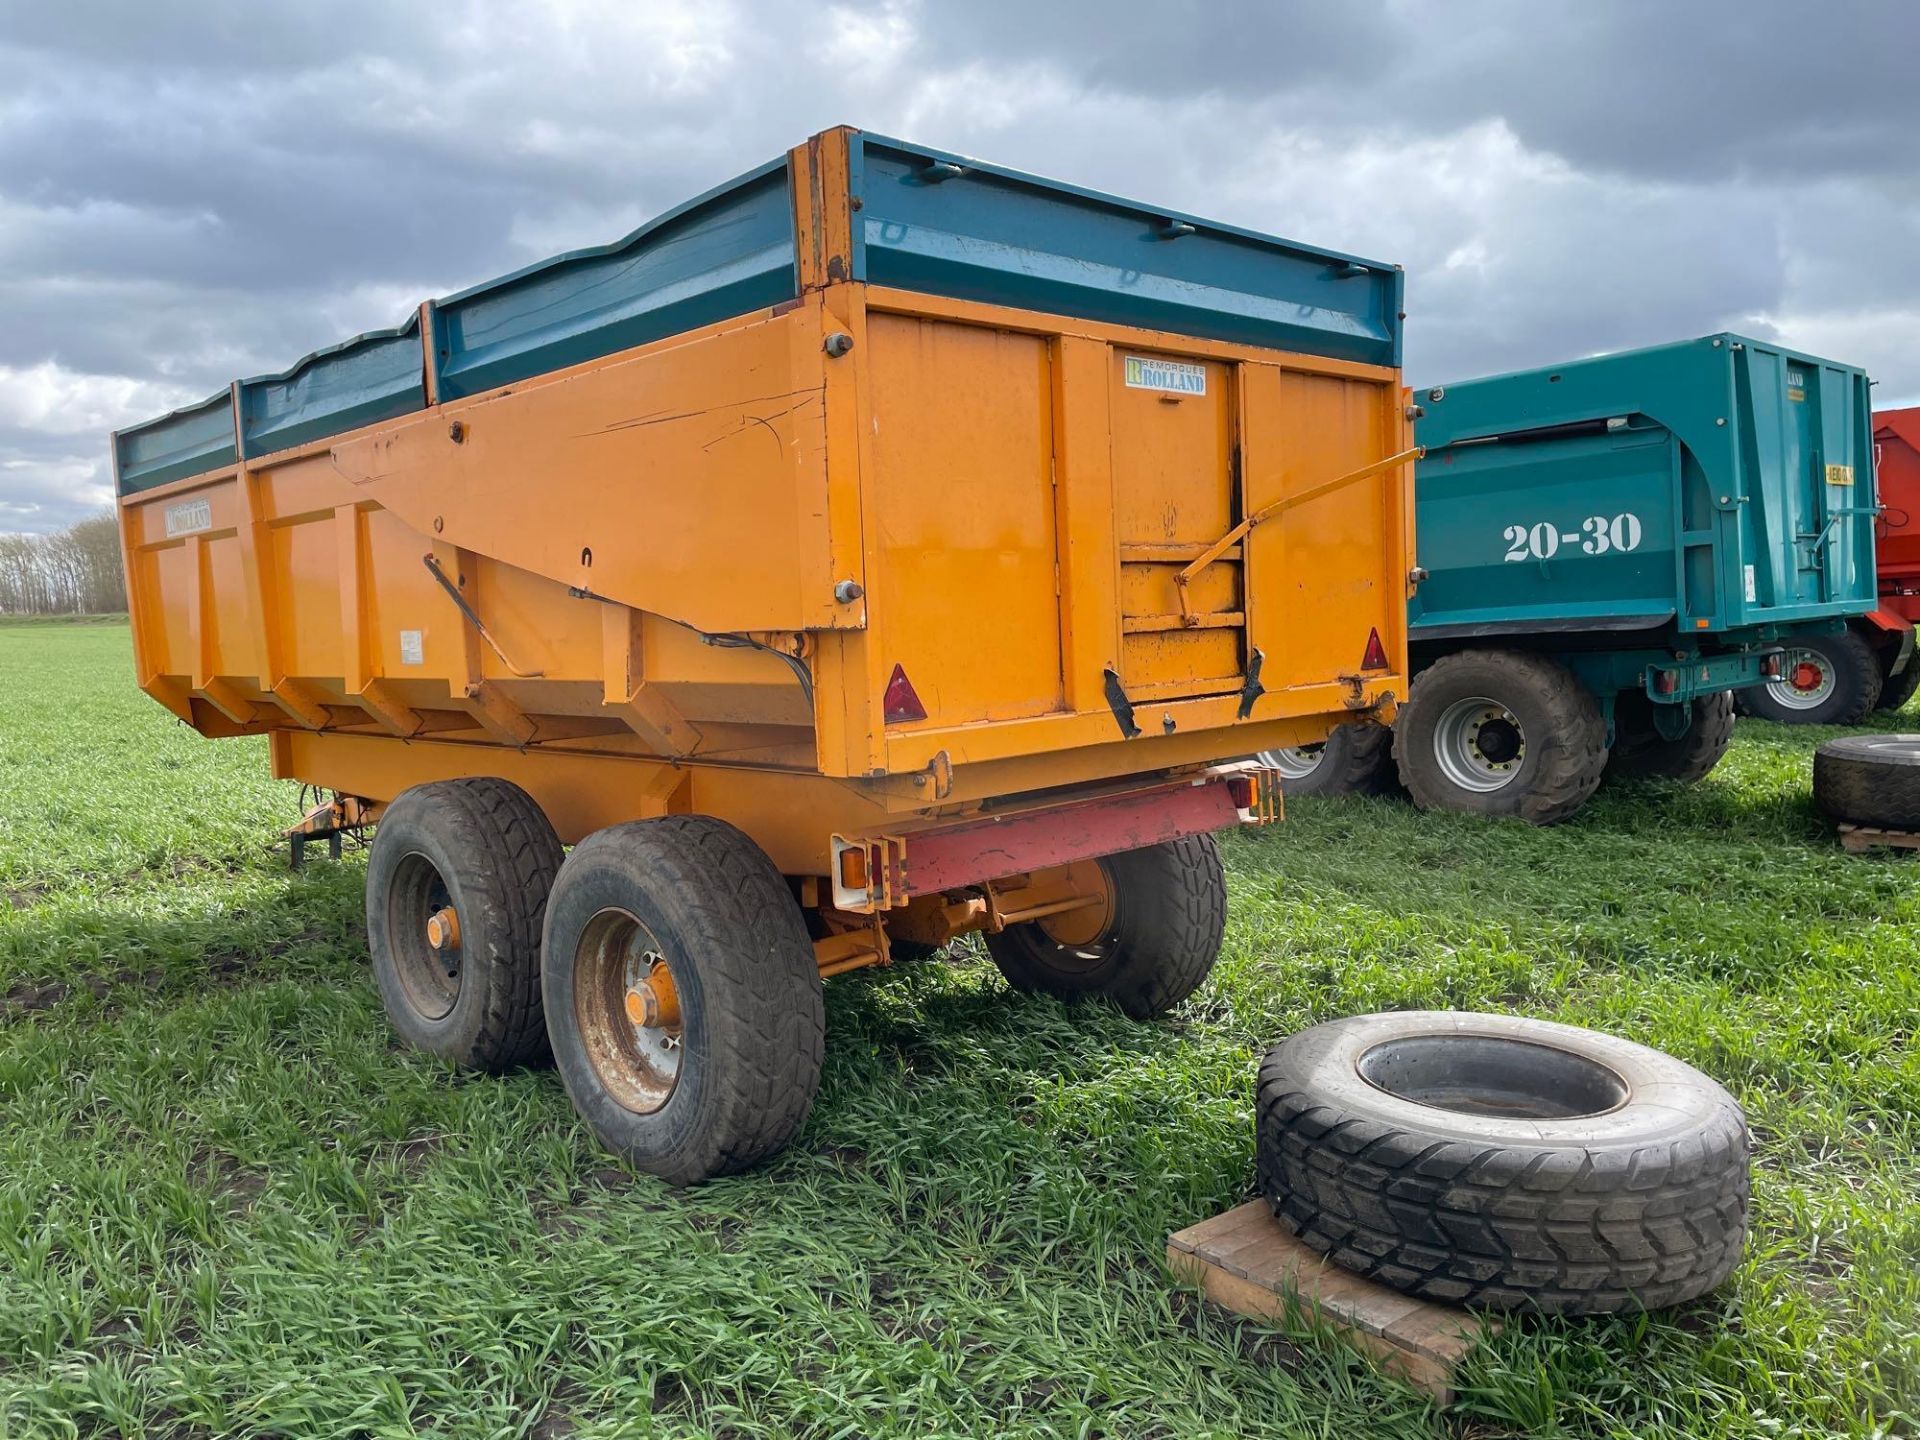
1858, 789
1478, 1227
508, 856
766, 1022
1574, 750
1688, 760
1174, 916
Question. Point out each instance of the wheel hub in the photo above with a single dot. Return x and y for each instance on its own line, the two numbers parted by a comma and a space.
443, 929
1497, 739
654, 1003
1479, 744
1084, 927
1805, 682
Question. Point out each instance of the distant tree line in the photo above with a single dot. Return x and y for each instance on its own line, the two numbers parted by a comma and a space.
75, 571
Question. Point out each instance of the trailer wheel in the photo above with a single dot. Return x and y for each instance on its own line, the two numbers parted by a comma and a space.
683, 998
1353, 760
457, 885
1896, 690
1504, 1162
1640, 752
1500, 732
1869, 780
1828, 680
1147, 946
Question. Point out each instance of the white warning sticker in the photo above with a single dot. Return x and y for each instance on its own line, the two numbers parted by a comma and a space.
1176, 377
1753, 591
189, 517
413, 650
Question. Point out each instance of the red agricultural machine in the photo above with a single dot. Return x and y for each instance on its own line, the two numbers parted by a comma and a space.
1839, 679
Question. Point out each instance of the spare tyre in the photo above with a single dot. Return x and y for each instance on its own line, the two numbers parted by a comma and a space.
1503, 1162
1869, 780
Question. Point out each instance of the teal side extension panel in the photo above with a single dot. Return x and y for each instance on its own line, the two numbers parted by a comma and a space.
1708, 486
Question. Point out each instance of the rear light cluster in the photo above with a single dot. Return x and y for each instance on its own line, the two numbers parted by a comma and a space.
853, 868
1255, 794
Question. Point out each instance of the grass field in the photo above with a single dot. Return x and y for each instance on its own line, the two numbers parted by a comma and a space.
230, 1205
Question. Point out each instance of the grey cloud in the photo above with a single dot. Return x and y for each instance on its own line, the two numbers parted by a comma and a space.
193, 192
1645, 87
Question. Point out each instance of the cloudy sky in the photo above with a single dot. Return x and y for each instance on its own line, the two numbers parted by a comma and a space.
195, 190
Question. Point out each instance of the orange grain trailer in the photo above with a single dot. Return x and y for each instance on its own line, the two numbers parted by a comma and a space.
879, 548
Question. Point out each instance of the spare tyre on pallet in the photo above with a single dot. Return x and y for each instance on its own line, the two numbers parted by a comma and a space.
1503, 1162
1869, 780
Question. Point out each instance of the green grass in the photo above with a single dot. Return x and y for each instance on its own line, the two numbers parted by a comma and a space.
230, 1205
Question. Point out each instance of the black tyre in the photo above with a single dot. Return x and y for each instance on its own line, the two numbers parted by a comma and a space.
457, 885
1829, 680
1896, 690
1353, 760
1500, 732
682, 997
1869, 780
1640, 752
1147, 946
1503, 1162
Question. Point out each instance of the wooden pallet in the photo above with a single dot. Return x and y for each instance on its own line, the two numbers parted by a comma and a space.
1245, 1261
1859, 838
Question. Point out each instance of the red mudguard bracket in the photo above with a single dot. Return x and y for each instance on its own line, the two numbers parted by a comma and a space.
897, 868
1890, 619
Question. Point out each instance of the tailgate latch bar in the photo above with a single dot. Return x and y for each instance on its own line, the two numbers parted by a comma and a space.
1253, 689
1121, 706
1286, 502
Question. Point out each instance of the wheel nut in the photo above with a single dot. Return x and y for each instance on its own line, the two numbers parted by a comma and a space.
443, 929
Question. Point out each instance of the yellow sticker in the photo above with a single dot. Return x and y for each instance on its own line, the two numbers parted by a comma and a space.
1794, 392
1839, 474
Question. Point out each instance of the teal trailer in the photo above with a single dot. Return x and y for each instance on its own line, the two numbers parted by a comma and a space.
1608, 549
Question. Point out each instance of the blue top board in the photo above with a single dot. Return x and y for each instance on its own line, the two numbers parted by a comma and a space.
924, 220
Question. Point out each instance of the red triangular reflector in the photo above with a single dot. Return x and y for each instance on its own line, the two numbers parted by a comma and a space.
1376, 656
901, 703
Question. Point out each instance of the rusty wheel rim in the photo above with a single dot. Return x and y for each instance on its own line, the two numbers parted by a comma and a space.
626, 1003
429, 973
